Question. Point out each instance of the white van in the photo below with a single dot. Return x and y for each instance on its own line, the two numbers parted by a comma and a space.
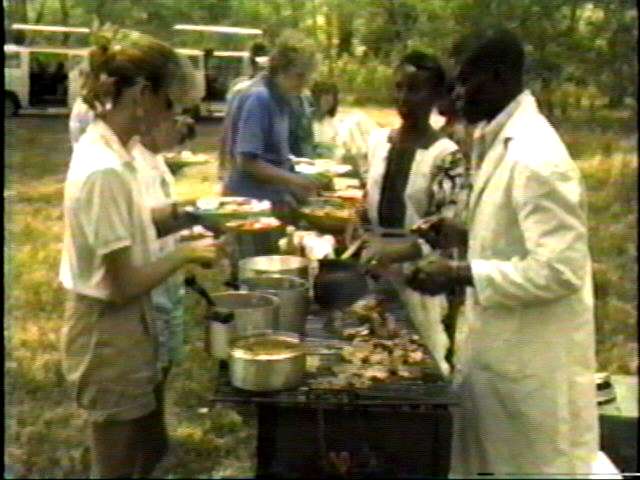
221, 69
47, 79
40, 79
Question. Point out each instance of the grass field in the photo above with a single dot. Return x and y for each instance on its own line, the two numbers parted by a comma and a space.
45, 435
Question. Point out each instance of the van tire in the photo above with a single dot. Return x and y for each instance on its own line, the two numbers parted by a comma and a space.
11, 104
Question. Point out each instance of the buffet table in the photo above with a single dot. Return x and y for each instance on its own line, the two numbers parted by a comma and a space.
399, 430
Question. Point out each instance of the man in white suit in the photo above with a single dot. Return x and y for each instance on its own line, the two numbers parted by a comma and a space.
524, 368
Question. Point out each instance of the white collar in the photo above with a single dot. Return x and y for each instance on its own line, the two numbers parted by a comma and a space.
490, 130
111, 139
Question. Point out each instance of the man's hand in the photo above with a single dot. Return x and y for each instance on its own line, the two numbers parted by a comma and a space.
303, 187
187, 202
435, 275
442, 233
384, 252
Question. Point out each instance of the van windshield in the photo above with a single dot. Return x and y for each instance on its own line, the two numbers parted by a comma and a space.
220, 72
48, 75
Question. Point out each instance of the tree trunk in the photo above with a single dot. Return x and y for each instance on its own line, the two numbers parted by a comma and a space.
314, 18
573, 19
20, 15
393, 20
345, 33
64, 13
40, 14
330, 26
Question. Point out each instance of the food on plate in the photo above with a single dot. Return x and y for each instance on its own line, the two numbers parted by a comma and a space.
226, 205
371, 311
347, 194
346, 183
406, 371
324, 180
376, 372
415, 356
353, 332
255, 224
371, 358
330, 211
357, 352
328, 215
379, 357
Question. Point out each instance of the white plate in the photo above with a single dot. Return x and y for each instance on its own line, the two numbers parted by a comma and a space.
335, 169
213, 203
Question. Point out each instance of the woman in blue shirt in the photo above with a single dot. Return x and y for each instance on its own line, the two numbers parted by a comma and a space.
260, 129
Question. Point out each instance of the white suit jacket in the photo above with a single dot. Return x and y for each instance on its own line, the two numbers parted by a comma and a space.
525, 367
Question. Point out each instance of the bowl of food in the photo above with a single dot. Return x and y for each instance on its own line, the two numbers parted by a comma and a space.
254, 225
328, 215
255, 236
351, 196
216, 212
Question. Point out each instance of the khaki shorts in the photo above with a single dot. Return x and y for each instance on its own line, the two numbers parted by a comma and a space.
110, 358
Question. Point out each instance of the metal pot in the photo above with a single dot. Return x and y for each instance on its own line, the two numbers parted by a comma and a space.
293, 294
251, 311
340, 283
274, 264
220, 335
268, 361
250, 244
283, 369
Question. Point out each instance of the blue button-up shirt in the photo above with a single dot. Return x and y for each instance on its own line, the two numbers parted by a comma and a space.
259, 129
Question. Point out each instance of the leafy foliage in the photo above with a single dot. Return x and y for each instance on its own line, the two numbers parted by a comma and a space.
588, 47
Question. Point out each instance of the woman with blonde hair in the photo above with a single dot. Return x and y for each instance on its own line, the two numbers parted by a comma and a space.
259, 128
109, 341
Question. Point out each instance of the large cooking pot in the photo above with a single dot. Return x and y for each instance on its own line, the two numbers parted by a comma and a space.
274, 264
340, 283
250, 311
252, 243
293, 294
270, 361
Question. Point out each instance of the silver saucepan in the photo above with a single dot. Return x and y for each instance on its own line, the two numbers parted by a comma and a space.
270, 361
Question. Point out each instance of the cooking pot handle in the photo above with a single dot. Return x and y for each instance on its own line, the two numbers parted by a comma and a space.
233, 285
216, 315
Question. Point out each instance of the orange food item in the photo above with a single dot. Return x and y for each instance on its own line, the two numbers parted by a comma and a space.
256, 224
